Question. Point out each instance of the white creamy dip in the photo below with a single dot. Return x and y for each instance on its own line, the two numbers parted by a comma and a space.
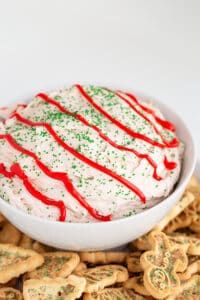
102, 192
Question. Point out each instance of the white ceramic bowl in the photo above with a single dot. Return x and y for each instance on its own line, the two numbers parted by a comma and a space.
107, 235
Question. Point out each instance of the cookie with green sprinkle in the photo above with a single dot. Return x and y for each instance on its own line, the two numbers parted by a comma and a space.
189, 290
56, 264
54, 289
161, 265
15, 261
103, 276
113, 294
190, 243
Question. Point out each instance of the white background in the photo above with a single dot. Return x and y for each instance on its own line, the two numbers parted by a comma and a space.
146, 45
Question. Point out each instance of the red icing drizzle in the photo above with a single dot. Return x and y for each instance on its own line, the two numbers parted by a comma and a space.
63, 177
171, 144
12, 112
101, 134
23, 105
164, 123
18, 105
83, 158
16, 170
170, 165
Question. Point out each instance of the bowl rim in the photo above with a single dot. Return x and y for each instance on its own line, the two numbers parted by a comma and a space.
141, 214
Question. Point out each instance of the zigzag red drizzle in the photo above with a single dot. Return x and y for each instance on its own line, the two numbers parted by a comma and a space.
63, 177
172, 144
16, 170
101, 134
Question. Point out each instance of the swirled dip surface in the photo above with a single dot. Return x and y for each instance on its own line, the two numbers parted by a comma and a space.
87, 154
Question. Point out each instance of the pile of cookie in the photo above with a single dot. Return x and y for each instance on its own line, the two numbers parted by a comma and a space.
164, 264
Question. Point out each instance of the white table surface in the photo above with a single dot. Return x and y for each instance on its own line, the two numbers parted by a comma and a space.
148, 45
